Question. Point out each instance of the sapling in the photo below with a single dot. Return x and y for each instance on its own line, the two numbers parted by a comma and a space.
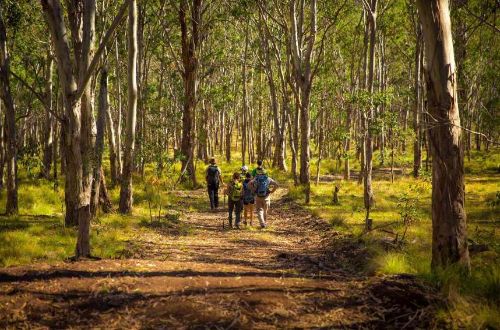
162, 180
407, 206
336, 190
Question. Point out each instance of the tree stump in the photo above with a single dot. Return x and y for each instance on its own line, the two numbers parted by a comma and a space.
336, 195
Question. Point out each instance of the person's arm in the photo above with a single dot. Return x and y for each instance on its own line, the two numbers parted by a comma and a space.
273, 185
220, 176
251, 184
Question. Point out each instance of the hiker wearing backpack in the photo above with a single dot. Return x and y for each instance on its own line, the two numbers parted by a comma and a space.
244, 171
248, 199
234, 192
259, 169
214, 179
263, 186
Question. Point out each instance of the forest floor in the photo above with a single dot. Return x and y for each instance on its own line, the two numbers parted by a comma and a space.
190, 273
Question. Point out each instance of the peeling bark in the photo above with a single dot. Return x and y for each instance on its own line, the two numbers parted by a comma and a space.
449, 230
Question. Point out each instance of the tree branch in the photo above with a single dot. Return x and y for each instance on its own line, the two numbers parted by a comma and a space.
95, 61
482, 20
37, 95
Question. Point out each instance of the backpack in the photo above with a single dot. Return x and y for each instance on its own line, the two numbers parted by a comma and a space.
247, 192
213, 175
236, 192
260, 171
262, 185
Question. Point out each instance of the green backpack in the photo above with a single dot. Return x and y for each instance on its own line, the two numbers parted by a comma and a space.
236, 192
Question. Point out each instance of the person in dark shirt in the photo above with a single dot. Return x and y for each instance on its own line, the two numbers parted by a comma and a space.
213, 178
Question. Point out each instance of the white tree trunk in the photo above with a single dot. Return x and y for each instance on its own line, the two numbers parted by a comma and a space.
126, 197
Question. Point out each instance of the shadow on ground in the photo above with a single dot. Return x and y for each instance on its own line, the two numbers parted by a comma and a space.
299, 273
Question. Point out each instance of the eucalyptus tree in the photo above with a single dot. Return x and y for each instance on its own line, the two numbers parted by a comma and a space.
99, 193
190, 46
302, 47
10, 119
371, 8
49, 123
126, 197
75, 74
271, 44
418, 95
449, 230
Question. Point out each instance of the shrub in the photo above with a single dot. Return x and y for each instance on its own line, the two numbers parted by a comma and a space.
338, 221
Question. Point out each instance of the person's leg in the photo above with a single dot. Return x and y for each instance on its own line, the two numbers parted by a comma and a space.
216, 197
245, 213
250, 209
237, 208
211, 197
267, 204
230, 206
259, 204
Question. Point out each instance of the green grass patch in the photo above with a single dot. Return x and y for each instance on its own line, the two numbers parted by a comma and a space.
409, 196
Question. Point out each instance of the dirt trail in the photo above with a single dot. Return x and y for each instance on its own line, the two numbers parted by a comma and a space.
298, 273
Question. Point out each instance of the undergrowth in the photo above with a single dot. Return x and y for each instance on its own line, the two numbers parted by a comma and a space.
473, 299
38, 233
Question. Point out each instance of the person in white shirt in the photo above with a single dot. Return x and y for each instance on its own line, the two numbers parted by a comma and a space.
263, 186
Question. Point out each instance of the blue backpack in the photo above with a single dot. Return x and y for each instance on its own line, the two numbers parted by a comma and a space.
247, 192
262, 185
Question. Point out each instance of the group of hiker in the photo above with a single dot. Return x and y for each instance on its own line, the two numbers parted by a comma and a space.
244, 191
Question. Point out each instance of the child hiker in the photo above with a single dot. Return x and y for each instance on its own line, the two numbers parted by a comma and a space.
248, 199
244, 171
234, 193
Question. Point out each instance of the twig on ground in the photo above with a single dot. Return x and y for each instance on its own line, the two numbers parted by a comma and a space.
379, 227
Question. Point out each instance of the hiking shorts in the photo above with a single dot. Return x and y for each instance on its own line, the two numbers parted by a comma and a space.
250, 202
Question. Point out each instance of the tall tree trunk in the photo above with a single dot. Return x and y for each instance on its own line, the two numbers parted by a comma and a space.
126, 198
49, 121
99, 141
104, 200
293, 124
368, 189
87, 137
54, 157
302, 73
113, 158
364, 82
190, 48
10, 120
279, 138
417, 150
78, 136
2, 147
347, 142
382, 89
321, 138
203, 135
449, 229
229, 132
118, 127
305, 150
245, 121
